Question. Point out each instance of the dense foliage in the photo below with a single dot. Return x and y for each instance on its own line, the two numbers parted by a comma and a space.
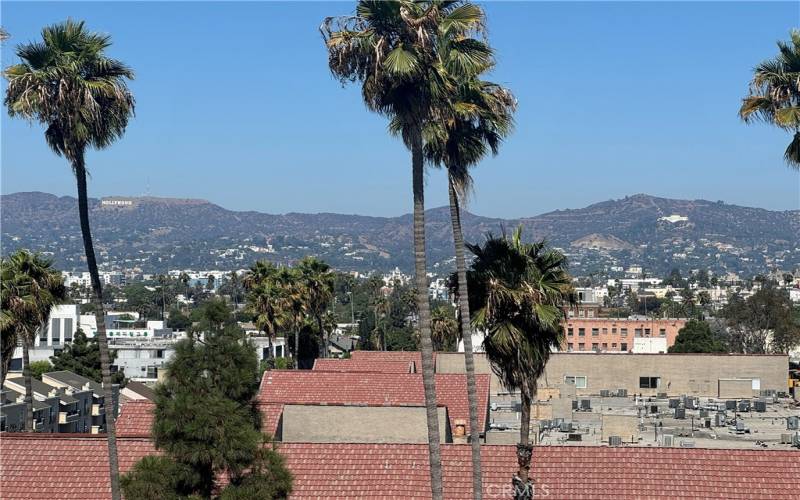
697, 336
82, 356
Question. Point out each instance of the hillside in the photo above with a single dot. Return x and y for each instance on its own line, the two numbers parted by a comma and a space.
155, 234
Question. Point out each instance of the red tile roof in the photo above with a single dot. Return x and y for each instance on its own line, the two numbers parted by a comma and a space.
373, 389
70, 466
62, 466
136, 418
415, 356
364, 365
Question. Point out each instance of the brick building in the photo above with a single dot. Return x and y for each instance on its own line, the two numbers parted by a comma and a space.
620, 334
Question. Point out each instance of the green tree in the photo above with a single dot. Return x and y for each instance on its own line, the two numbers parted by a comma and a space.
265, 298
82, 356
674, 279
67, 83
697, 336
317, 283
40, 367
774, 95
215, 383
391, 48
178, 320
762, 323
444, 329
517, 295
31, 287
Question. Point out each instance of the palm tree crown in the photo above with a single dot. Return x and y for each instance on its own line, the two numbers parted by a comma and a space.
775, 94
68, 84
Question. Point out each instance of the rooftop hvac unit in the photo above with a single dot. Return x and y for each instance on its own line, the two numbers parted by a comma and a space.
768, 392
614, 441
666, 440
574, 404
786, 438
622, 393
796, 440
703, 413
744, 405
680, 413
730, 404
687, 443
653, 408
691, 403
565, 427
719, 420
707, 423
674, 402
605, 393
761, 406
661, 395
740, 427
586, 404
793, 423
544, 425
574, 437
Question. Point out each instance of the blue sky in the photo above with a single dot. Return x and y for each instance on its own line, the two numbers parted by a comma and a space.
235, 104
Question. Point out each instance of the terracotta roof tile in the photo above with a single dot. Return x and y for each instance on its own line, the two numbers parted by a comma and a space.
364, 365
70, 466
372, 389
415, 356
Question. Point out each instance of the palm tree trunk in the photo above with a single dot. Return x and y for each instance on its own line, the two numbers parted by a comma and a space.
523, 488
102, 340
424, 317
26, 374
10, 341
297, 349
466, 330
323, 337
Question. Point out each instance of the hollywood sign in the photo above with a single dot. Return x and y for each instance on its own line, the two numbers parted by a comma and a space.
117, 203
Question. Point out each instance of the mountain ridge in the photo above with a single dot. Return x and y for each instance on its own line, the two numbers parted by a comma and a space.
155, 233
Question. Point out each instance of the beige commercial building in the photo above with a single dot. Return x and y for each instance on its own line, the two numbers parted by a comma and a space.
710, 375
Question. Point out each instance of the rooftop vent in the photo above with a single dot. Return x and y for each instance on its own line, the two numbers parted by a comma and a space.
614, 441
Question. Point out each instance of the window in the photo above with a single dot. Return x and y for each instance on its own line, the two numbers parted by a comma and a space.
570, 347
590, 313
649, 382
55, 329
646, 332
579, 381
662, 332
160, 353
614, 330
581, 313
595, 332
613, 345
605, 331
623, 347
571, 314
67, 329
605, 346
569, 332
595, 346
623, 332
581, 347
637, 332
581, 332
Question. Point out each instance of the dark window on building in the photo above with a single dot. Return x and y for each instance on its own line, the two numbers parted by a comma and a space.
623, 347
581, 332
605, 331
649, 382
570, 346
55, 329
662, 332
637, 332
581, 347
569, 332
605, 346
595, 332
595, 346
67, 329
614, 330
646, 332
623, 332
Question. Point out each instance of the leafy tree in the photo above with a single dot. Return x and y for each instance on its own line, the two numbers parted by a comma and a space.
775, 96
393, 49
517, 294
762, 323
444, 328
40, 367
674, 279
31, 287
317, 282
265, 299
207, 424
178, 320
67, 83
82, 356
697, 336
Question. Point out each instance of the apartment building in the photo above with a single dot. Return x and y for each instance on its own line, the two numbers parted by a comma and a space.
635, 334
67, 411
94, 406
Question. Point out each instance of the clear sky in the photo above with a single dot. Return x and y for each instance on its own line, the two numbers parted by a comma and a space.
235, 104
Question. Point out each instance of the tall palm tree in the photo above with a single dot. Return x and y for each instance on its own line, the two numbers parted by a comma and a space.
293, 305
474, 120
444, 329
390, 47
67, 83
517, 292
775, 94
31, 288
264, 298
317, 278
